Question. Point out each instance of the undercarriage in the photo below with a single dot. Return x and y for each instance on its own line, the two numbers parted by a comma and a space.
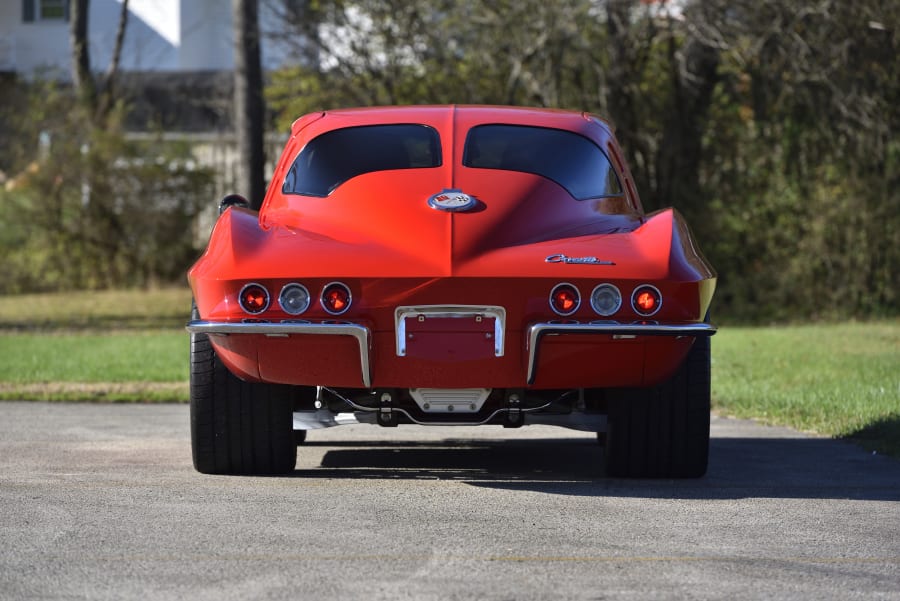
510, 408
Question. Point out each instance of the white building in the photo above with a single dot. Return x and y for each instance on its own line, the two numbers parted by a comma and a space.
162, 36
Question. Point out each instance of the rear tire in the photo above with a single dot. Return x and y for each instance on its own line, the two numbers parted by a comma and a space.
662, 432
237, 427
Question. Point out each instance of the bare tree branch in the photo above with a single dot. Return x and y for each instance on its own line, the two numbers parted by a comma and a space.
81, 58
109, 80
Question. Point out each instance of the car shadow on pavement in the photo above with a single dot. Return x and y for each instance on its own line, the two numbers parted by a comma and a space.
814, 468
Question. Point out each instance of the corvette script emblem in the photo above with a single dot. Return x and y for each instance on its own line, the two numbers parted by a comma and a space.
577, 260
453, 201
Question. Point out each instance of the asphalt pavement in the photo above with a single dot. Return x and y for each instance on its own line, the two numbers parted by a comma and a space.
101, 502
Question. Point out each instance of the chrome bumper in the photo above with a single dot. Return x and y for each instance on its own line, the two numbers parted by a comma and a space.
362, 334
535, 332
608, 328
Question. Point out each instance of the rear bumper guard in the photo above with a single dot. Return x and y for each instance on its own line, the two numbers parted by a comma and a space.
615, 329
535, 333
362, 334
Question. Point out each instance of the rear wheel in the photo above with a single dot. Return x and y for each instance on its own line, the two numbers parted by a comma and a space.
662, 432
237, 427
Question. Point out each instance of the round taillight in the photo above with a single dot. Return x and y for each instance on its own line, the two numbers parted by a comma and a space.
565, 299
254, 298
336, 298
294, 299
606, 299
646, 300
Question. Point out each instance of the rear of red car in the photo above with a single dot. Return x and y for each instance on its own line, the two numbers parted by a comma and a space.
446, 265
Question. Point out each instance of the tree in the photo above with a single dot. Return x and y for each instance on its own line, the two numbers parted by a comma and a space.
249, 104
373, 52
88, 208
770, 123
98, 100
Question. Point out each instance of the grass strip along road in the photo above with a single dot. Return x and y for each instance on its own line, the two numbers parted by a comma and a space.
840, 380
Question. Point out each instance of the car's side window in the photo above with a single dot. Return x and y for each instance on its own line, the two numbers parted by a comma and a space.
336, 156
569, 159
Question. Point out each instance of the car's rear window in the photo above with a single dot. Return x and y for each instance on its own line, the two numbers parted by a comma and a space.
334, 157
569, 159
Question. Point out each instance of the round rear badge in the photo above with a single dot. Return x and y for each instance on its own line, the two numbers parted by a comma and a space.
452, 201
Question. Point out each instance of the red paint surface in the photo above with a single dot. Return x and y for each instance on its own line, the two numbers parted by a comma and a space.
376, 234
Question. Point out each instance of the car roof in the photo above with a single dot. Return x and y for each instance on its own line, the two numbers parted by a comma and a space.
440, 114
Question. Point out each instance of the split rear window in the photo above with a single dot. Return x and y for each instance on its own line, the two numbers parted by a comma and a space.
569, 159
336, 156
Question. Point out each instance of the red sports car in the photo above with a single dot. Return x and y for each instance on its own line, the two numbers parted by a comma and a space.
451, 265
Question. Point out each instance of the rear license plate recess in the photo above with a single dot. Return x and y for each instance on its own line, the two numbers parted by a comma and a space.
450, 333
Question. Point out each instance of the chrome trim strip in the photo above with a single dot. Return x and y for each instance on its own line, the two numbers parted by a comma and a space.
608, 328
498, 313
362, 334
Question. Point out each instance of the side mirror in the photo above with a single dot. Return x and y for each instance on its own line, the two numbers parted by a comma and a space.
233, 200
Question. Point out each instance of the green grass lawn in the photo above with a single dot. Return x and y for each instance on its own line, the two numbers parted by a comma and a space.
116, 357
839, 380
101, 311
119, 366
121, 345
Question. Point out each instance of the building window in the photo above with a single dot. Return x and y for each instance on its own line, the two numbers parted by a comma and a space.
52, 9
45, 10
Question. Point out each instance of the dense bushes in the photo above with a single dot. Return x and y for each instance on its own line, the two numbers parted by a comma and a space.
83, 207
771, 124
